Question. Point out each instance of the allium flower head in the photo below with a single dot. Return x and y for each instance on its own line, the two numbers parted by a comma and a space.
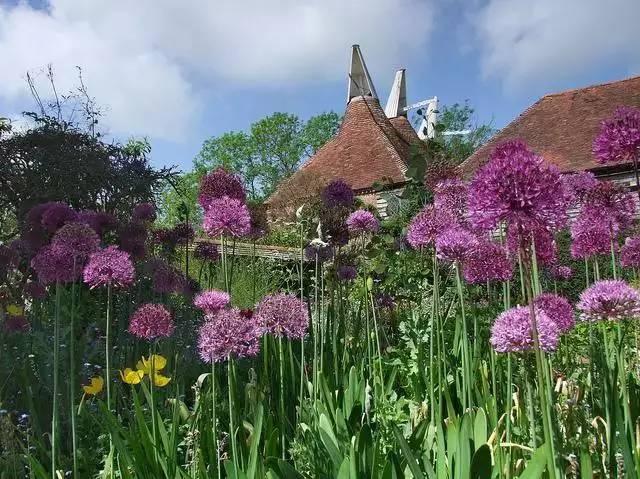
165, 278
151, 321
283, 314
211, 301
218, 184
132, 238
227, 216
334, 226
319, 251
630, 252
560, 272
109, 266
592, 232
512, 331
166, 237
613, 201
516, 186
540, 239
425, 226
558, 309
580, 184
454, 244
609, 300
78, 239
227, 334
33, 218
183, 232
337, 193
144, 213
259, 223
206, 251
346, 272
385, 301
100, 221
487, 261
54, 264
619, 137
362, 222
451, 196
56, 215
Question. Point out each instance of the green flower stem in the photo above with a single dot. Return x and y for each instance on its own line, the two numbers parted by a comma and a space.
56, 374
283, 421
214, 417
72, 377
152, 371
232, 428
466, 360
432, 333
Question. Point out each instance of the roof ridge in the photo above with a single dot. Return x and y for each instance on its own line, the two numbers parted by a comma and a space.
595, 85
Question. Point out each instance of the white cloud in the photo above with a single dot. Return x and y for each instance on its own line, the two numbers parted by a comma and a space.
151, 62
523, 42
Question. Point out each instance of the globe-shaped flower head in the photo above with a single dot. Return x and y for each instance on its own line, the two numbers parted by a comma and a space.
337, 193
487, 261
109, 267
205, 251
227, 216
630, 252
218, 184
609, 300
144, 213
151, 321
512, 331
362, 222
228, 334
425, 226
619, 136
100, 221
455, 243
451, 196
283, 314
211, 301
54, 264
78, 239
558, 309
346, 272
56, 215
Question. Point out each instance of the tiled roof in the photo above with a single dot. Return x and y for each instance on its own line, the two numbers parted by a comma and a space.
368, 149
561, 126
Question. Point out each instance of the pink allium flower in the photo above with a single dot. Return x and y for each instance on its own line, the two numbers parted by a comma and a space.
558, 309
54, 264
16, 324
346, 272
33, 218
512, 331
35, 290
109, 266
609, 299
165, 278
630, 252
454, 244
613, 201
451, 196
426, 225
560, 272
227, 216
78, 239
337, 193
151, 321
206, 251
211, 301
318, 251
362, 222
183, 232
144, 212
101, 222
539, 238
580, 184
165, 237
619, 137
517, 187
487, 261
219, 184
592, 232
56, 215
132, 238
227, 334
283, 314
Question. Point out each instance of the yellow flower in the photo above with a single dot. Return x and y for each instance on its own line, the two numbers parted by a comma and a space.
95, 386
15, 310
130, 376
160, 380
154, 363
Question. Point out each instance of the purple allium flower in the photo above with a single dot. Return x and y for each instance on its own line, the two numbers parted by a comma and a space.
630, 252
337, 193
385, 301
144, 213
227, 216
539, 238
451, 196
517, 187
318, 251
592, 233
35, 290
487, 261
227, 334
54, 264
362, 222
346, 272
100, 221
16, 324
425, 226
613, 201
211, 301
206, 251
218, 184
282, 314
165, 237
580, 184
560, 272
151, 321
32, 240
165, 278
109, 266
132, 238
512, 331
33, 218
56, 215
183, 232
558, 309
259, 223
619, 137
454, 244
333, 224
609, 299
78, 239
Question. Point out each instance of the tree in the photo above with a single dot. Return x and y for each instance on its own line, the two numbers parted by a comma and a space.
319, 130
178, 194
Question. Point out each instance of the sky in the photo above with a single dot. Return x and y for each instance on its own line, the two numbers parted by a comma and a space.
181, 72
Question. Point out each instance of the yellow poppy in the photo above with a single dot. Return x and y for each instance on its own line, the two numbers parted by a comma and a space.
15, 310
130, 376
95, 386
154, 363
160, 380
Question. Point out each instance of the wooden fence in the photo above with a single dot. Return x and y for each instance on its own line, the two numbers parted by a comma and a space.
283, 253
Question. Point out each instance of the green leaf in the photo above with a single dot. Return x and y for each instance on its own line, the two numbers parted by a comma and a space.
481, 463
412, 462
586, 469
329, 441
255, 442
537, 465
480, 429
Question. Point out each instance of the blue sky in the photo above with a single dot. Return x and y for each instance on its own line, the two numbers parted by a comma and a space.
180, 72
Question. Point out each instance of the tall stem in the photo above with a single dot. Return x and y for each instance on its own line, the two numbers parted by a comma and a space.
466, 364
72, 376
232, 428
56, 359
283, 421
152, 369
214, 417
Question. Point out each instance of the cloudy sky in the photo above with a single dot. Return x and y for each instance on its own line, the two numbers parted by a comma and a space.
181, 71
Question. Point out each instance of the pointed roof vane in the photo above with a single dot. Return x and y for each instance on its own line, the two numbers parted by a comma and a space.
360, 83
397, 102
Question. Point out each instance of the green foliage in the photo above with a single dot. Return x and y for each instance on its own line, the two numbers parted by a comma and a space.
177, 194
